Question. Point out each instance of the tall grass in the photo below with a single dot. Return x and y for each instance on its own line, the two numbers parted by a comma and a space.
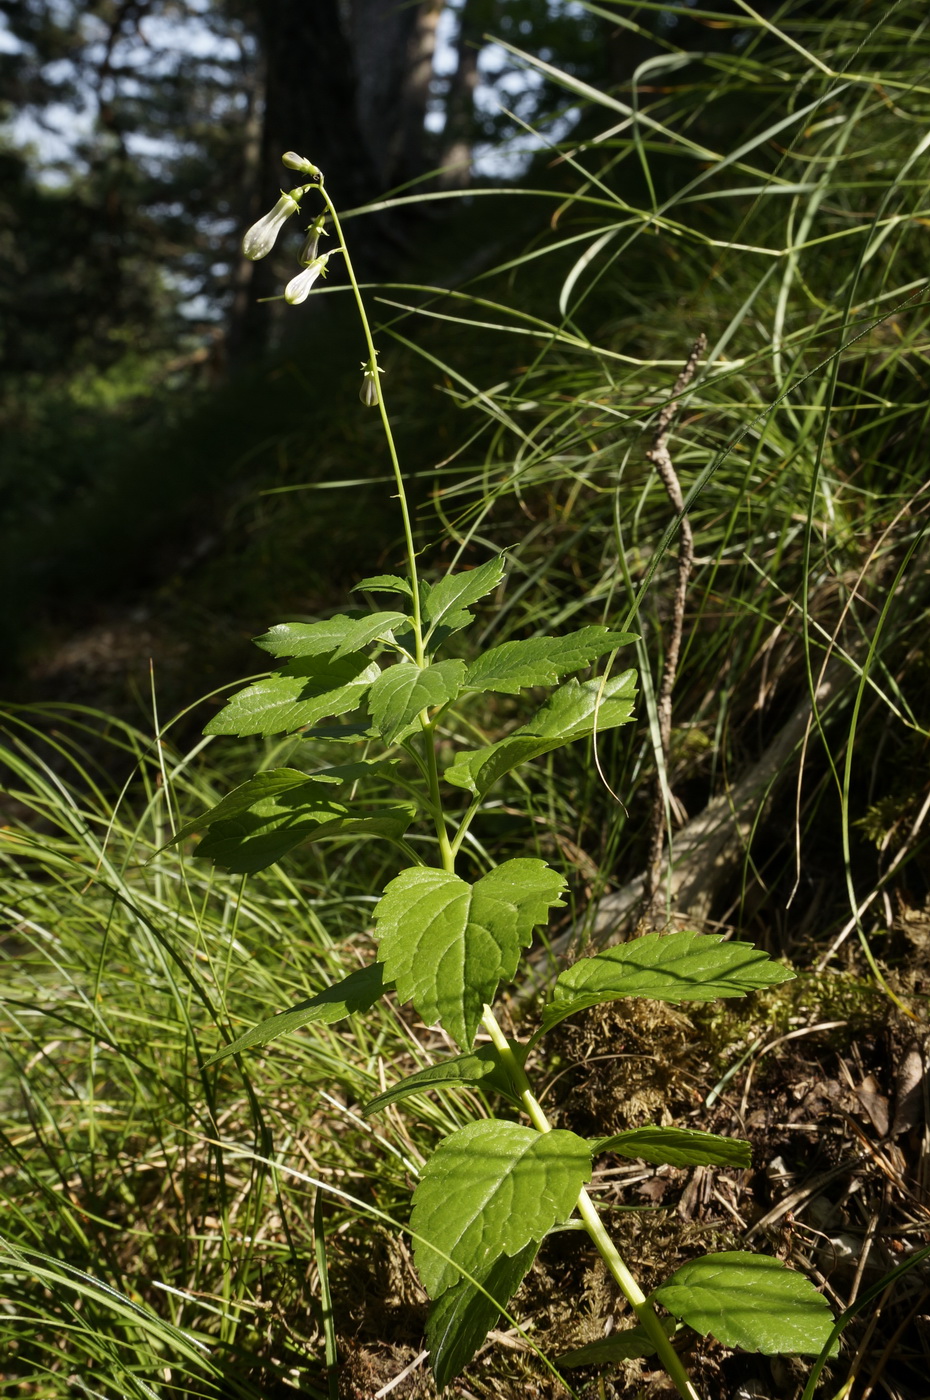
771, 193
157, 1234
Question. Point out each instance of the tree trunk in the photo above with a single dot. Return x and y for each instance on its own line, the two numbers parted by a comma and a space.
458, 135
345, 86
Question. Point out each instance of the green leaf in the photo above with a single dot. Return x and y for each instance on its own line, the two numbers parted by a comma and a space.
352, 772
305, 692
677, 1147
257, 838
341, 733
749, 1301
671, 967
383, 583
377, 626
270, 785
448, 944
481, 1065
461, 1318
357, 992
541, 660
627, 1345
572, 712
402, 691
330, 635
445, 600
490, 1189
264, 818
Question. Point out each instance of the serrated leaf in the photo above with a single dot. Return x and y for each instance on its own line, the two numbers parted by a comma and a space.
402, 691
383, 583
478, 1066
270, 785
490, 1189
305, 692
677, 1147
277, 785
268, 830
306, 638
572, 712
628, 1345
262, 819
378, 626
513, 666
749, 1301
461, 1318
448, 944
357, 992
671, 967
455, 592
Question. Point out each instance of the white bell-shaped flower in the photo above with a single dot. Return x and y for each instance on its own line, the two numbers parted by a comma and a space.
298, 289
260, 239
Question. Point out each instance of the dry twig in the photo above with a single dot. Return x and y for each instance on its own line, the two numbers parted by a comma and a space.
661, 459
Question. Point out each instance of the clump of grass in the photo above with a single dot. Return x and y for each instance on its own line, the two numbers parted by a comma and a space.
157, 1230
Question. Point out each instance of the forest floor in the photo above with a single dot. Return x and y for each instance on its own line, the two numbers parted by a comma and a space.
834, 1105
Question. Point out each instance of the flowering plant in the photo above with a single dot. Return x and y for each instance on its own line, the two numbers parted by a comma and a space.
447, 941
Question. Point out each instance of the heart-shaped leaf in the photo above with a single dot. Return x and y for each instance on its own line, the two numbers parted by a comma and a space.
448, 944
749, 1301
491, 1189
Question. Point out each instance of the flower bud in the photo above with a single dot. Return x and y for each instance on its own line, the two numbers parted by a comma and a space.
311, 247
295, 162
298, 289
369, 392
260, 239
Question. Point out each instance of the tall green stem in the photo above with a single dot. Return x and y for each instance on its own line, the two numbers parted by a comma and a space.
645, 1312
631, 1290
432, 769
389, 436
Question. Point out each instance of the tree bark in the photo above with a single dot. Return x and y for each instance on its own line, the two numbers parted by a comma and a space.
347, 87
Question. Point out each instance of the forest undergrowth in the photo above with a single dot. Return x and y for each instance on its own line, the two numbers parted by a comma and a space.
172, 1229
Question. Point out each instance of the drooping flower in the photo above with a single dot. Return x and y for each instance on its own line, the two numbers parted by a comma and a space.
369, 391
260, 239
311, 247
298, 289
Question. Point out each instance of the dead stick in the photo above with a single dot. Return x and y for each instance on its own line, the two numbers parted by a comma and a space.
660, 457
